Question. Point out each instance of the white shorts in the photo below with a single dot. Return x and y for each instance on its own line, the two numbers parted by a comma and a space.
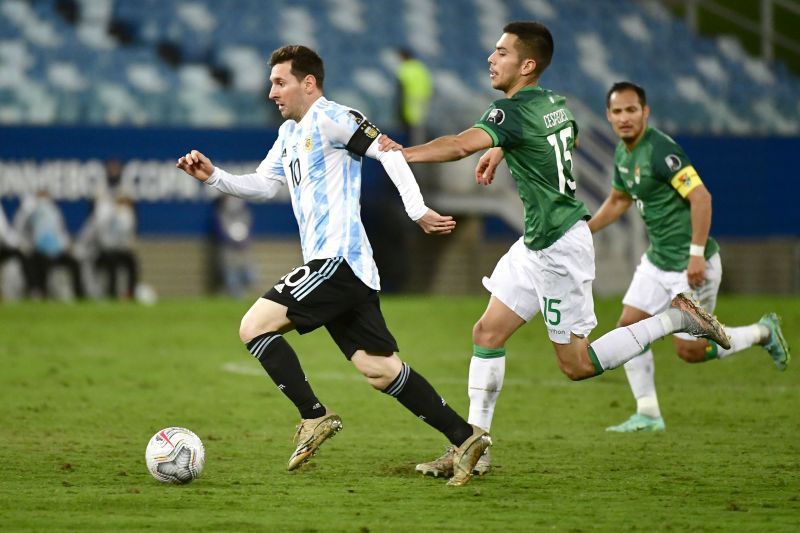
652, 289
556, 280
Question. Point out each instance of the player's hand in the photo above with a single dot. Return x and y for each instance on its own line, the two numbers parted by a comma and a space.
196, 165
433, 223
387, 144
487, 165
696, 271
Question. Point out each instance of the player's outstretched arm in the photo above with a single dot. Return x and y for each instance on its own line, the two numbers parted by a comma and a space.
441, 149
433, 223
487, 165
615, 205
196, 165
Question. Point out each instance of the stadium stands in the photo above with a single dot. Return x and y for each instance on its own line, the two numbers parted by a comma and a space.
202, 63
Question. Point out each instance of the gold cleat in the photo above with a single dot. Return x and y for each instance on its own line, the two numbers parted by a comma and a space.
310, 435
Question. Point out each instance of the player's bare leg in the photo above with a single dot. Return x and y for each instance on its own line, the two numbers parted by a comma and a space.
261, 330
622, 344
486, 373
640, 372
387, 373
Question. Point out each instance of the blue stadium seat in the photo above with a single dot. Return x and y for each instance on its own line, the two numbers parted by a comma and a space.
646, 46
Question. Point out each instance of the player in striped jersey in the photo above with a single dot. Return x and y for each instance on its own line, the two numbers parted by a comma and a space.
318, 156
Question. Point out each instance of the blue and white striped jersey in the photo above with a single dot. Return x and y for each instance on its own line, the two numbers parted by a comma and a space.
319, 158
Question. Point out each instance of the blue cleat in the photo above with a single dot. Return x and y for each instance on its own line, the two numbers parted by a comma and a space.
776, 345
639, 423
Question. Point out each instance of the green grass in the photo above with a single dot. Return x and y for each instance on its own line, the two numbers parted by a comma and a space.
83, 387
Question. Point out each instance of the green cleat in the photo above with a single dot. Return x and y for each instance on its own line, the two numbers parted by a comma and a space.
639, 423
776, 345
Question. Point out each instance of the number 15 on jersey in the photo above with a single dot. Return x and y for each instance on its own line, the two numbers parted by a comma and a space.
563, 157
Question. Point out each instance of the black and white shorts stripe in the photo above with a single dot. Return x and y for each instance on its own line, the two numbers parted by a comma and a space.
315, 279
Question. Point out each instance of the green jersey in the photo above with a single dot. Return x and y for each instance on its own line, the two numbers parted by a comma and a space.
658, 176
537, 133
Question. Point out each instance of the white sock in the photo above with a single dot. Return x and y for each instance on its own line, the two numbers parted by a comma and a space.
742, 338
641, 377
485, 383
623, 344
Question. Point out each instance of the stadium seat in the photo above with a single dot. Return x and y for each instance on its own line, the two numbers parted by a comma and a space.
221, 54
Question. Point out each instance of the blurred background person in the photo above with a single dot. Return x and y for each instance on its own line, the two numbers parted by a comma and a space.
10, 250
233, 224
40, 224
109, 236
415, 89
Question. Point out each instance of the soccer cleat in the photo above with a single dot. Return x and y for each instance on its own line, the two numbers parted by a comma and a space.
701, 322
484, 465
776, 345
443, 466
467, 455
639, 423
310, 435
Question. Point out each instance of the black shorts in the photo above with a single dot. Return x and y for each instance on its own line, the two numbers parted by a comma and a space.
326, 292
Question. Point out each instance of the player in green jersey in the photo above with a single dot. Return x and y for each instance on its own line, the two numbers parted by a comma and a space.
652, 172
550, 269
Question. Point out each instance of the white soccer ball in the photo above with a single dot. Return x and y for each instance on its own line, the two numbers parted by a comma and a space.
175, 455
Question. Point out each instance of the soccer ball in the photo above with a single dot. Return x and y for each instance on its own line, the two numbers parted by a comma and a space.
175, 455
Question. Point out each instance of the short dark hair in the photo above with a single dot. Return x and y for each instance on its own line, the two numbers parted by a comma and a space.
626, 86
305, 61
535, 42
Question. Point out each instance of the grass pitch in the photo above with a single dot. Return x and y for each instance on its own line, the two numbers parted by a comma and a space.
83, 387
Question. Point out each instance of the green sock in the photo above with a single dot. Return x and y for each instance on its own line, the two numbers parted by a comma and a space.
487, 353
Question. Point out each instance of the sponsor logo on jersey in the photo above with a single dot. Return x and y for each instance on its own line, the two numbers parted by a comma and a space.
673, 162
637, 174
496, 116
283, 154
623, 170
308, 144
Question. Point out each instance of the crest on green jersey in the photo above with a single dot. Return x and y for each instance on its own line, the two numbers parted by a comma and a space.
496, 116
673, 162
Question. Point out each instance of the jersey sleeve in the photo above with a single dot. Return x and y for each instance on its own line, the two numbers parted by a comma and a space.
672, 165
350, 130
501, 123
263, 184
617, 181
271, 166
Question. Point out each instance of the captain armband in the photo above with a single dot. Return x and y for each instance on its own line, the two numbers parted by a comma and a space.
686, 180
364, 136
